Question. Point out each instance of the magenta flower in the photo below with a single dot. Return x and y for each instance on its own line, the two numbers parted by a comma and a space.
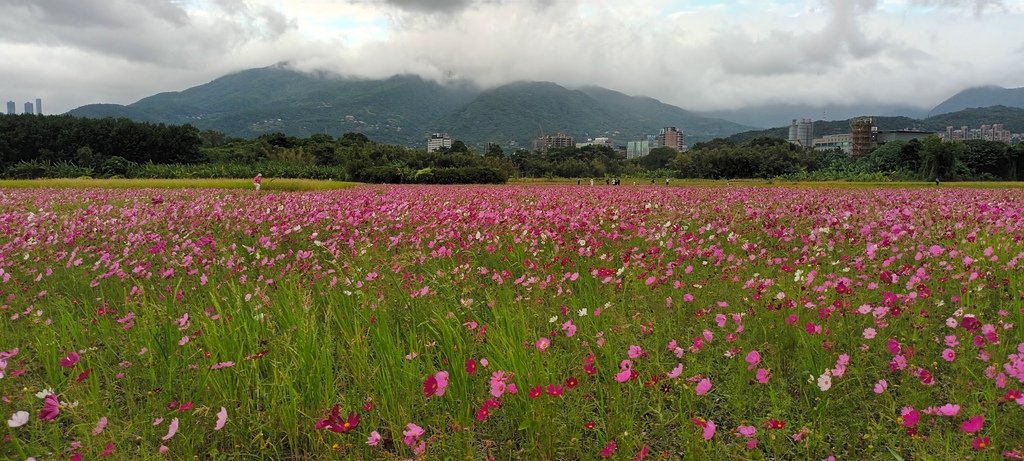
910, 416
608, 449
973, 424
762, 375
949, 355
753, 359
678, 370
51, 408
746, 431
635, 352
70, 360
881, 386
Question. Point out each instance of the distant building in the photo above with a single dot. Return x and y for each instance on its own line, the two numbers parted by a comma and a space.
994, 132
596, 142
671, 137
557, 141
438, 141
843, 142
10, 108
28, 108
39, 106
802, 133
637, 149
873, 138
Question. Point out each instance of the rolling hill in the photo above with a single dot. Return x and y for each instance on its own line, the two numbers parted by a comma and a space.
982, 96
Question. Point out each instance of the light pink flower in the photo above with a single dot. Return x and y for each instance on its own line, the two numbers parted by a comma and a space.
171, 430
100, 425
374, 439
222, 418
543, 344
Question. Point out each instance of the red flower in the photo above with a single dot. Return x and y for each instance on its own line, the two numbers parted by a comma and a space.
555, 390
536, 391
429, 386
470, 366
775, 424
590, 425
981, 443
571, 382
334, 423
483, 413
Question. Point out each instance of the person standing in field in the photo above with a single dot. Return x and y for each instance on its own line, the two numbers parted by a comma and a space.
257, 181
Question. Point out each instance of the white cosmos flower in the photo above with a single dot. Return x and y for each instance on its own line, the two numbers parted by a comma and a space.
18, 419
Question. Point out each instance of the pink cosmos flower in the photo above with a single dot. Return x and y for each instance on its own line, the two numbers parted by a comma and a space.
543, 344
569, 329
411, 434
762, 375
870, 333
635, 351
949, 355
374, 439
626, 371
51, 408
709, 430
973, 424
442, 382
703, 386
746, 431
881, 386
753, 359
678, 370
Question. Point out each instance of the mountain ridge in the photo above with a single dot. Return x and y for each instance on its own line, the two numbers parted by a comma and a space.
405, 109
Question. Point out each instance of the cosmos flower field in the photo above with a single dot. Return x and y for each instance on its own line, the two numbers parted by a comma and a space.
512, 322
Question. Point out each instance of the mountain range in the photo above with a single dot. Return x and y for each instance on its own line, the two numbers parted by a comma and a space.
405, 109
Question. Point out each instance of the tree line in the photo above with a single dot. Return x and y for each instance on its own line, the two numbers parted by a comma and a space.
34, 146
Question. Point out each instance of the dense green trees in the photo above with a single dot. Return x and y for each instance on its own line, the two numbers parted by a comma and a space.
61, 146
88, 143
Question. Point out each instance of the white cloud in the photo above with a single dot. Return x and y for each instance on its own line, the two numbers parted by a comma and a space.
696, 54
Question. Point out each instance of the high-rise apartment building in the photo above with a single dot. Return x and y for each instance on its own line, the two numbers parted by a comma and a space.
28, 108
637, 149
557, 141
39, 106
10, 108
670, 136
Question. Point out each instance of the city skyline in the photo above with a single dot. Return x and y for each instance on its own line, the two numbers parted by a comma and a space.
726, 55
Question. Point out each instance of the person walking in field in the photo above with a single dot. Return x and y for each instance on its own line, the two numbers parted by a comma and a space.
257, 181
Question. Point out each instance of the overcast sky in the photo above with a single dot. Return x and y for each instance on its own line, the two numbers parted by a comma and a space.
697, 54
